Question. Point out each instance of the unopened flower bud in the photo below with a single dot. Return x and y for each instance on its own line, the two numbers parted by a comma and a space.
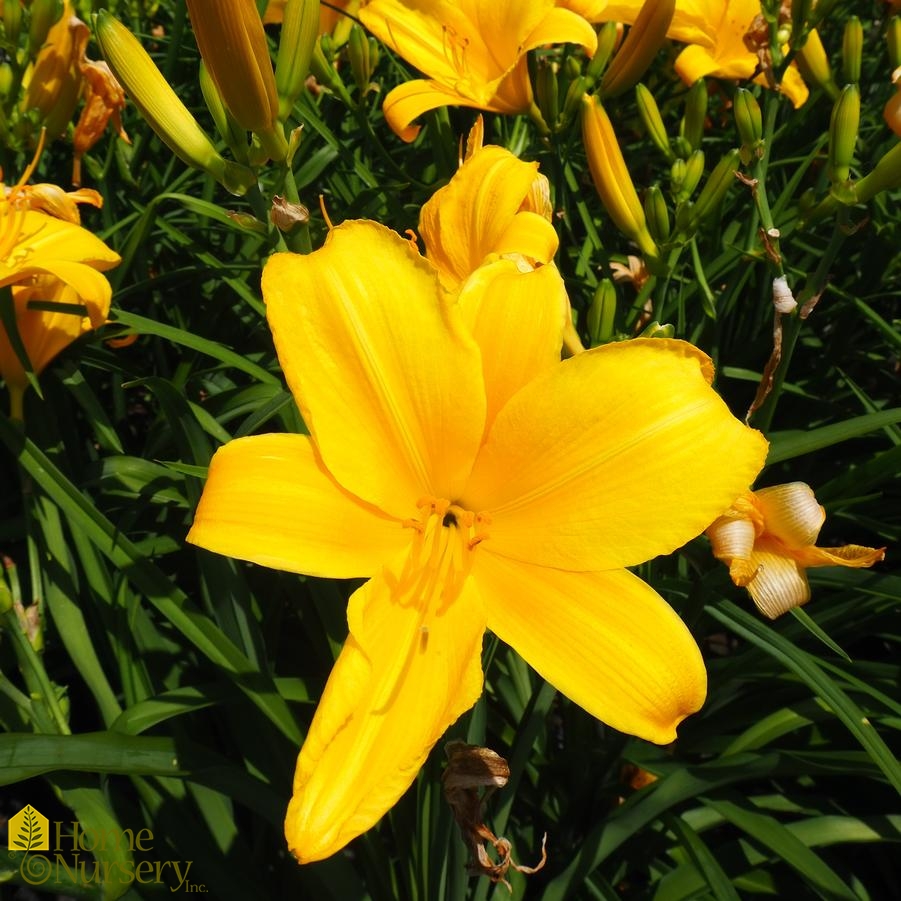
547, 92
657, 214
714, 191
692, 126
611, 177
231, 132
639, 48
358, 53
652, 120
602, 313
606, 42
161, 107
893, 40
843, 128
814, 65
749, 123
300, 28
694, 169
44, 15
12, 21
852, 50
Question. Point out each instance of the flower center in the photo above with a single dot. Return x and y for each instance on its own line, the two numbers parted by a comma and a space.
441, 556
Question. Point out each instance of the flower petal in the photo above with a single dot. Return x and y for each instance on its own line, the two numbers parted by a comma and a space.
43, 237
851, 555
386, 377
614, 456
608, 641
269, 500
791, 513
467, 219
517, 319
403, 677
780, 582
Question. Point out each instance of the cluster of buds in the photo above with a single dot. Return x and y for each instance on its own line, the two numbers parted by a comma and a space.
244, 93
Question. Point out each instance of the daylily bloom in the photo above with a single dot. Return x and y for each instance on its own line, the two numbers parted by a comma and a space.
496, 207
768, 541
470, 496
715, 33
474, 53
47, 259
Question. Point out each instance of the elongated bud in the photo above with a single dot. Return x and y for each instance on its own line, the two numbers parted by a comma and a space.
843, 133
602, 313
611, 177
572, 102
639, 48
606, 43
547, 92
714, 191
893, 39
852, 50
7, 79
44, 15
234, 48
300, 28
652, 120
12, 21
692, 127
749, 123
358, 53
160, 106
657, 214
814, 65
886, 175
691, 175
800, 10
324, 71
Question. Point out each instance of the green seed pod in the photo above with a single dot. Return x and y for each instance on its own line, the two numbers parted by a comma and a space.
653, 121
893, 39
843, 133
602, 313
692, 127
852, 50
714, 191
694, 169
657, 214
547, 92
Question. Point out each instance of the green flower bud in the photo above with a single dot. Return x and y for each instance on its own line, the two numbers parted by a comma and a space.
885, 176
324, 71
12, 21
692, 127
656, 330
715, 188
852, 49
657, 214
7, 79
602, 313
300, 28
893, 39
843, 133
749, 123
677, 176
44, 15
231, 132
694, 169
547, 91
606, 43
653, 121
358, 53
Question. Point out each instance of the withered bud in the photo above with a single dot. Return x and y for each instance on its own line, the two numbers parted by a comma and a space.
284, 214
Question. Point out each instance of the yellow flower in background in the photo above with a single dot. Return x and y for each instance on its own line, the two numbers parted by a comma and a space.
329, 16
493, 221
714, 31
45, 259
473, 53
468, 501
768, 541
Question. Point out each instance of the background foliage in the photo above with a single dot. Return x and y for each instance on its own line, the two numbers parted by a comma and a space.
182, 683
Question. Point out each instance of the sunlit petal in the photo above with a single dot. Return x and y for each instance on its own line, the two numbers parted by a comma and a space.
405, 674
791, 513
386, 377
268, 499
607, 640
613, 457
779, 584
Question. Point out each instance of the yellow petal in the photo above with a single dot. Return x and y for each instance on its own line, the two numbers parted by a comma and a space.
791, 513
793, 86
403, 677
852, 555
607, 640
530, 235
515, 316
268, 499
467, 219
614, 456
386, 377
780, 583
410, 100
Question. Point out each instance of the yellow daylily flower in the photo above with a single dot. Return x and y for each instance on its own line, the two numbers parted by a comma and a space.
496, 207
474, 53
768, 541
714, 31
469, 498
47, 259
